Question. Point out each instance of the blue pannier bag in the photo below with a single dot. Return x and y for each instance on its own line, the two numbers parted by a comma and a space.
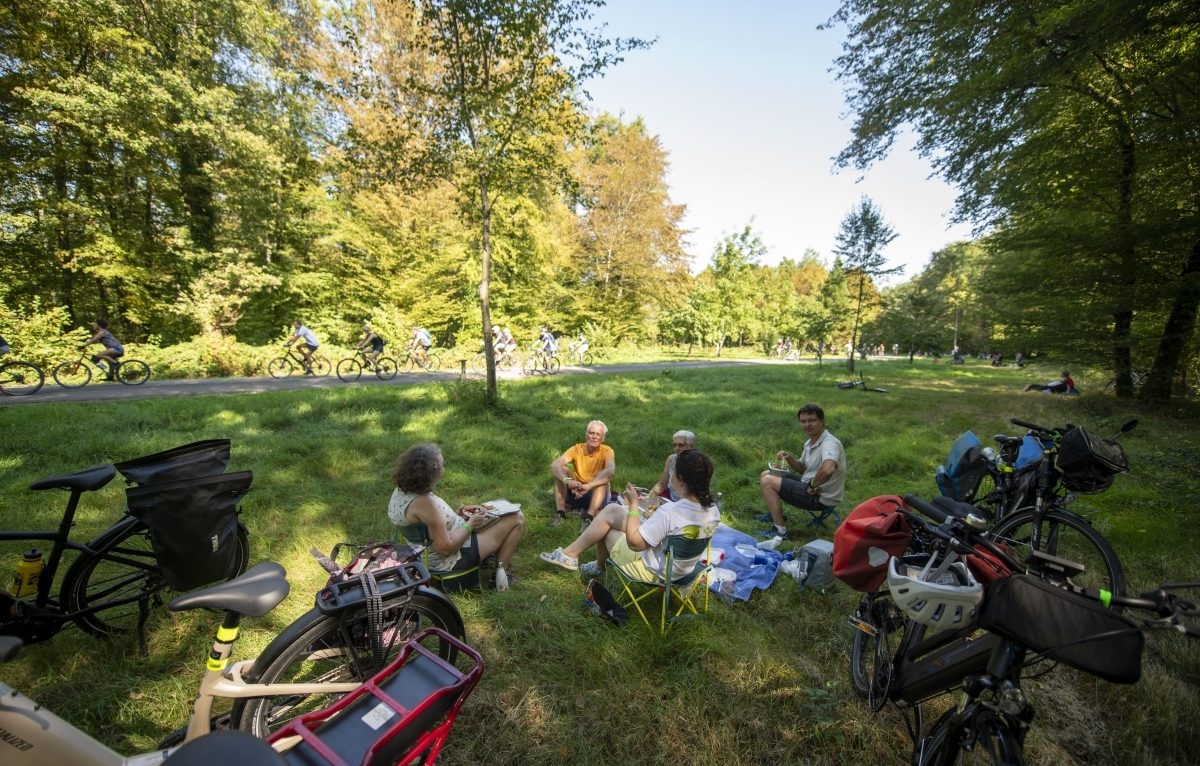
963, 470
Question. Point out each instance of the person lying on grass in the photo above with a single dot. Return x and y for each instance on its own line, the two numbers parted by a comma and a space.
460, 539
635, 545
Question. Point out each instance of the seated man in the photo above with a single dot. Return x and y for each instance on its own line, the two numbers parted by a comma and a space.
622, 536
682, 440
581, 475
822, 470
1064, 385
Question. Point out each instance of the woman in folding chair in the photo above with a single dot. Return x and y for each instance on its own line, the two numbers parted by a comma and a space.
639, 547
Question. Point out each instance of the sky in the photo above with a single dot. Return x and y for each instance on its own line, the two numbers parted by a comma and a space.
742, 98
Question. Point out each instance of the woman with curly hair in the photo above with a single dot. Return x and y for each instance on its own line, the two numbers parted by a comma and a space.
459, 539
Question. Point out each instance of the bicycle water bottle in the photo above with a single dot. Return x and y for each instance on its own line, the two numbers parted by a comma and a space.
29, 568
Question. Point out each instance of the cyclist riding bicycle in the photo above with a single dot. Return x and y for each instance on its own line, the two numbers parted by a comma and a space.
579, 346
546, 342
372, 339
420, 342
502, 343
310, 344
113, 350
4, 347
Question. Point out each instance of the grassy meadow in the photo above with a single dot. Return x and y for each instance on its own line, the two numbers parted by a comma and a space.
762, 682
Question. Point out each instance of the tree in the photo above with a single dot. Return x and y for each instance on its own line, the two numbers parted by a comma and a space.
733, 278
863, 234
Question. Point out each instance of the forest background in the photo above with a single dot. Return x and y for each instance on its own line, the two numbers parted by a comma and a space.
201, 174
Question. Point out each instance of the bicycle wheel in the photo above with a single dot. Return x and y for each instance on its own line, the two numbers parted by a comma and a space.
586, 361
553, 365
1063, 534
321, 366
349, 370
532, 366
280, 367
385, 368
133, 372
121, 570
21, 378
321, 648
435, 363
994, 741
72, 374
871, 654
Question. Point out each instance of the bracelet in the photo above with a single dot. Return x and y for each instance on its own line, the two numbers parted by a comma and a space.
634, 512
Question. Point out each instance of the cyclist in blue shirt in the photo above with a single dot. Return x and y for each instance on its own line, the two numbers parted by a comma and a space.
547, 342
310, 344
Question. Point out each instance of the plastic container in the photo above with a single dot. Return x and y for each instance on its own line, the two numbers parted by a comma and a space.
501, 579
755, 555
772, 544
29, 569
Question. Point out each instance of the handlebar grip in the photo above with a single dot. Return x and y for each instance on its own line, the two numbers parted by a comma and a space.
1030, 426
933, 512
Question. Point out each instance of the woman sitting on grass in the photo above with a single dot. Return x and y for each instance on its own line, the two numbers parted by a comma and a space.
636, 546
459, 539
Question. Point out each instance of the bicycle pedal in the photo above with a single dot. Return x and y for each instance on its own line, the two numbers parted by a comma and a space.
860, 624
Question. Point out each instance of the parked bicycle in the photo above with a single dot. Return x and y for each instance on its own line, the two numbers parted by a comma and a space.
117, 578
18, 378
1136, 377
919, 638
78, 372
1025, 490
414, 362
539, 362
351, 369
861, 384
416, 667
292, 363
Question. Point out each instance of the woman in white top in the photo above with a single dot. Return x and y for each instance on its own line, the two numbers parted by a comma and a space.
459, 539
622, 536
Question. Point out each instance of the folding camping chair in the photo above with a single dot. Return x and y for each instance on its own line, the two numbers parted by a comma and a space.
683, 589
450, 582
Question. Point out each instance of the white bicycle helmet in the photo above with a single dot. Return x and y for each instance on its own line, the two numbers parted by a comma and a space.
948, 602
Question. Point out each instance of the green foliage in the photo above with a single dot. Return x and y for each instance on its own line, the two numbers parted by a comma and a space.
34, 334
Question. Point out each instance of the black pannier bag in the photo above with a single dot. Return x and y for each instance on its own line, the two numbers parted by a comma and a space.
1063, 626
1087, 462
202, 458
193, 526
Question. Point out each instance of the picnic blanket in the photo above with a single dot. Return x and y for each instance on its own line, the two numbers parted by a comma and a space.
749, 574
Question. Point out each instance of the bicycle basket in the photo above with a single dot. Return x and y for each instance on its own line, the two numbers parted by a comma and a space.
1089, 463
193, 526
202, 458
960, 476
1063, 626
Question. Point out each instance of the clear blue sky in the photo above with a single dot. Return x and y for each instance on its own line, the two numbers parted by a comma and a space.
742, 98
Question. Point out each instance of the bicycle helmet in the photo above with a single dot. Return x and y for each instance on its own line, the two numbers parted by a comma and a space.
949, 602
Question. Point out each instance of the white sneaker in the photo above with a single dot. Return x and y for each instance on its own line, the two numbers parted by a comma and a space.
561, 559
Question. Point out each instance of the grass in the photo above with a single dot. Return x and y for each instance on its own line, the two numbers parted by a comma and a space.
760, 682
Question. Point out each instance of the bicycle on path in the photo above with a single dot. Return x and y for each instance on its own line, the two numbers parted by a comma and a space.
117, 578
292, 363
19, 378
919, 638
78, 373
860, 384
506, 361
351, 369
539, 362
414, 362
323, 656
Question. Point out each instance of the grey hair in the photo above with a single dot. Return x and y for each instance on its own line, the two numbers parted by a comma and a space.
687, 436
598, 423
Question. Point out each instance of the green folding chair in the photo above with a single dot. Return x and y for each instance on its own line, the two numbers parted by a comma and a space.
449, 582
682, 590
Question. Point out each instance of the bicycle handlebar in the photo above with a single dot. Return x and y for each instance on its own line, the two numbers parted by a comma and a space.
1032, 426
928, 509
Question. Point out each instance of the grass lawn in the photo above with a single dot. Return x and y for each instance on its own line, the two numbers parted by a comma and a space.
761, 682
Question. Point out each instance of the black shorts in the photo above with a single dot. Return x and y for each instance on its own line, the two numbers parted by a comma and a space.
377, 345
795, 492
468, 556
584, 502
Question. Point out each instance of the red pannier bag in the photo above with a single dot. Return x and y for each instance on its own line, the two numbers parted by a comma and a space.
863, 544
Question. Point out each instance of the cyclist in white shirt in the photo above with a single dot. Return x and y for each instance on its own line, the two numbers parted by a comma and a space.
310, 344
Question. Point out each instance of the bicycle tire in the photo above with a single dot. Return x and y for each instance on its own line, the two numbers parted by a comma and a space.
996, 741
435, 363
1068, 536
349, 370
72, 374
19, 378
386, 368
587, 360
123, 565
479, 363
133, 372
280, 367
531, 366
870, 679
320, 366
328, 648
553, 365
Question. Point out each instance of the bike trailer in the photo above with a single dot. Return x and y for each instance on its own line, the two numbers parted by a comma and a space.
202, 458
875, 530
193, 526
1089, 463
1063, 626
960, 476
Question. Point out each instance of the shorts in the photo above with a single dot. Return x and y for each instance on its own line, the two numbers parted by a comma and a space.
310, 347
631, 562
468, 555
377, 345
584, 502
795, 492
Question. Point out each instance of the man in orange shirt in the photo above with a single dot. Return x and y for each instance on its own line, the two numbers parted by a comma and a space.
582, 473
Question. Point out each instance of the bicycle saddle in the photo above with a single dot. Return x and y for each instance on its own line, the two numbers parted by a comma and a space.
83, 481
1004, 439
253, 594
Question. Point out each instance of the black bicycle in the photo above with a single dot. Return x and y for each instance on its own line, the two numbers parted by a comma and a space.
18, 378
292, 363
351, 369
920, 638
116, 578
78, 372
860, 384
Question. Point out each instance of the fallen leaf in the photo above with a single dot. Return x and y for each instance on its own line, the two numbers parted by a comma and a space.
136, 695
542, 600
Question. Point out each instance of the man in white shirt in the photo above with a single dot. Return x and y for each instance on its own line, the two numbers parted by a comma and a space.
822, 476
310, 344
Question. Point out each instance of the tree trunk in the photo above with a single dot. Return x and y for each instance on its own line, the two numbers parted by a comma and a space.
854, 332
1127, 270
1176, 334
485, 216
